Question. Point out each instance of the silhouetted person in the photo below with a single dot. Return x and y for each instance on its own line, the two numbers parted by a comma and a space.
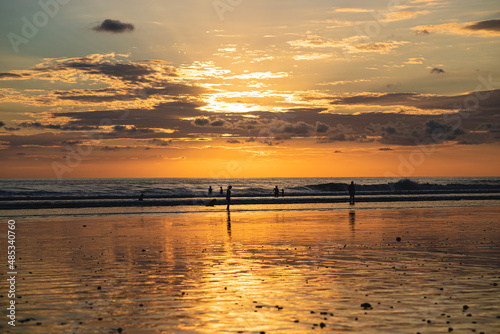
141, 197
228, 196
282, 192
352, 192
221, 191
276, 191
210, 190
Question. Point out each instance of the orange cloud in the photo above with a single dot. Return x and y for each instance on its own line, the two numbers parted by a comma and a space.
489, 28
414, 61
403, 15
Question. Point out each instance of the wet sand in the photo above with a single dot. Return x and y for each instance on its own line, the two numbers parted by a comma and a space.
272, 272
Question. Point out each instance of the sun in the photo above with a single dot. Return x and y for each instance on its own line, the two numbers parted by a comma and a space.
217, 106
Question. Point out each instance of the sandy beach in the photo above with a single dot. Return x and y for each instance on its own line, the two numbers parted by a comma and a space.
358, 271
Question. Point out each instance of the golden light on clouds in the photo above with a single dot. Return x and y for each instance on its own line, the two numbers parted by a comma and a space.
278, 88
483, 29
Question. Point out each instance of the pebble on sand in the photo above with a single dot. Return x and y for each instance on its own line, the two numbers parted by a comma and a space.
398, 239
366, 306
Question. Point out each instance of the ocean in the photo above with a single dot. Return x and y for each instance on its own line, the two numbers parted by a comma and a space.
33, 197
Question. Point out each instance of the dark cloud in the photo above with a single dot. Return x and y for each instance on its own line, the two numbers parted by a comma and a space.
433, 126
38, 125
390, 130
218, 122
233, 141
47, 139
485, 100
114, 26
9, 76
72, 142
343, 137
166, 115
189, 120
333, 137
131, 130
114, 148
423, 32
433, 131
126, 72
299, 128
268, 142
201, 122
159, 142
204, 121
478, 138
438, 70
130, 72
174, 116
2, 124
490, 25
287, 129
385, 149
109, 95
321, 127
248, 124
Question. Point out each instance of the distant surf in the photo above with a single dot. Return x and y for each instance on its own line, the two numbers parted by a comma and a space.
89, 193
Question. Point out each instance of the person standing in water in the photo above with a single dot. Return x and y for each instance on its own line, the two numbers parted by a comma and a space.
352, 192
228, 196
276, 191
210, 190
221, 191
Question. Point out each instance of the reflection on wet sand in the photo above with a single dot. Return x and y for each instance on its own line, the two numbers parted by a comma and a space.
285, 272
352, 221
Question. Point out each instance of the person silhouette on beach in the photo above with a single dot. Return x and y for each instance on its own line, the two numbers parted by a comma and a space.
282, 192
210, 190
221, 191
141, 197
352, 192
228, 196
276, 191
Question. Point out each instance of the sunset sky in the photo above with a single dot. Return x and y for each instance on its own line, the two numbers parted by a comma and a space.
249, 88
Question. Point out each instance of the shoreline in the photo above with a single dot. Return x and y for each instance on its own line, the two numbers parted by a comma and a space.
239, 201
34, 213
